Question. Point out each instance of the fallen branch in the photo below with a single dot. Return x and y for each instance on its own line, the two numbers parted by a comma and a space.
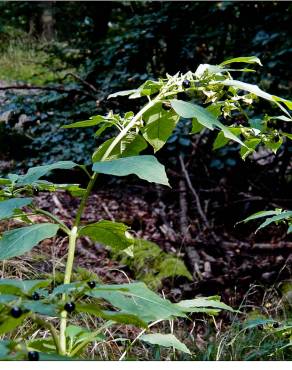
78, 78
59, 89
194, 192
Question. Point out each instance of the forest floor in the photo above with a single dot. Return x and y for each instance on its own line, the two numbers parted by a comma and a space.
219, 262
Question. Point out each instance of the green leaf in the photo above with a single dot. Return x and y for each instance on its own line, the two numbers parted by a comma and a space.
250, 60
109, 233
41, 308
7, 207
192, 304
254, 89
5, 181
131, 145
165, 340
121, 93
123, 318
249, 147
260, 215
138, 300
146, 167
189, 110
172, 266
20, 287
280, 217
274, 146
93, 121
221, 140
159, 125
16, 242
203, 116
10, 323
35, 173
8, 298
196, 126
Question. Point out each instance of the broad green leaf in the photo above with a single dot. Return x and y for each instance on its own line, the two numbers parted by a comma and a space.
7, 207
8, 298
93, 121
288, 136
254, 89
221, 140
196, 126
4, 181
35, 173
282, 118
274, 146
159, 125
172, 266
165, 340
256, 322
10, 323
67, 288
146, 167
249, 147
192, 304
46, 309
120, 317
204, 117
109, 233
189, 110
250, 60
16, 242
19, 287
289, 229
261, 214
77, 334
121, 93
4, 350
281, 217
137, 299
131, 145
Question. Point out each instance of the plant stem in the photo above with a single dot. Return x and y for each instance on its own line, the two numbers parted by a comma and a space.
74, 232
67, 278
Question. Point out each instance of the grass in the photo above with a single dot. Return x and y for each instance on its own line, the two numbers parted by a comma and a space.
26, 60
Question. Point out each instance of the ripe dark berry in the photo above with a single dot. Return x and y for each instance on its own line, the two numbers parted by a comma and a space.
260, 327
33, 356
16, 312
69, 307
186, 84
91, 284
35, 296
276, 325
166, 106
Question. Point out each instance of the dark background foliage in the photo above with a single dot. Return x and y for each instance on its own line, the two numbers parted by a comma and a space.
92, 49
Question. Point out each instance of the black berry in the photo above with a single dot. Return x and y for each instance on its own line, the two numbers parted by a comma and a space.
260, 327
35, 296
186, 84
69, 307
16, 312
91, 284
166, 106
276, 325
33, 356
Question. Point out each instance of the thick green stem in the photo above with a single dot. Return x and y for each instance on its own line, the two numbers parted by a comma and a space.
67, 278
74, 232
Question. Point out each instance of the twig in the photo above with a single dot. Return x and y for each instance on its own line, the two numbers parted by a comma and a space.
78, 78
194, 192
59, 89
191, 252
